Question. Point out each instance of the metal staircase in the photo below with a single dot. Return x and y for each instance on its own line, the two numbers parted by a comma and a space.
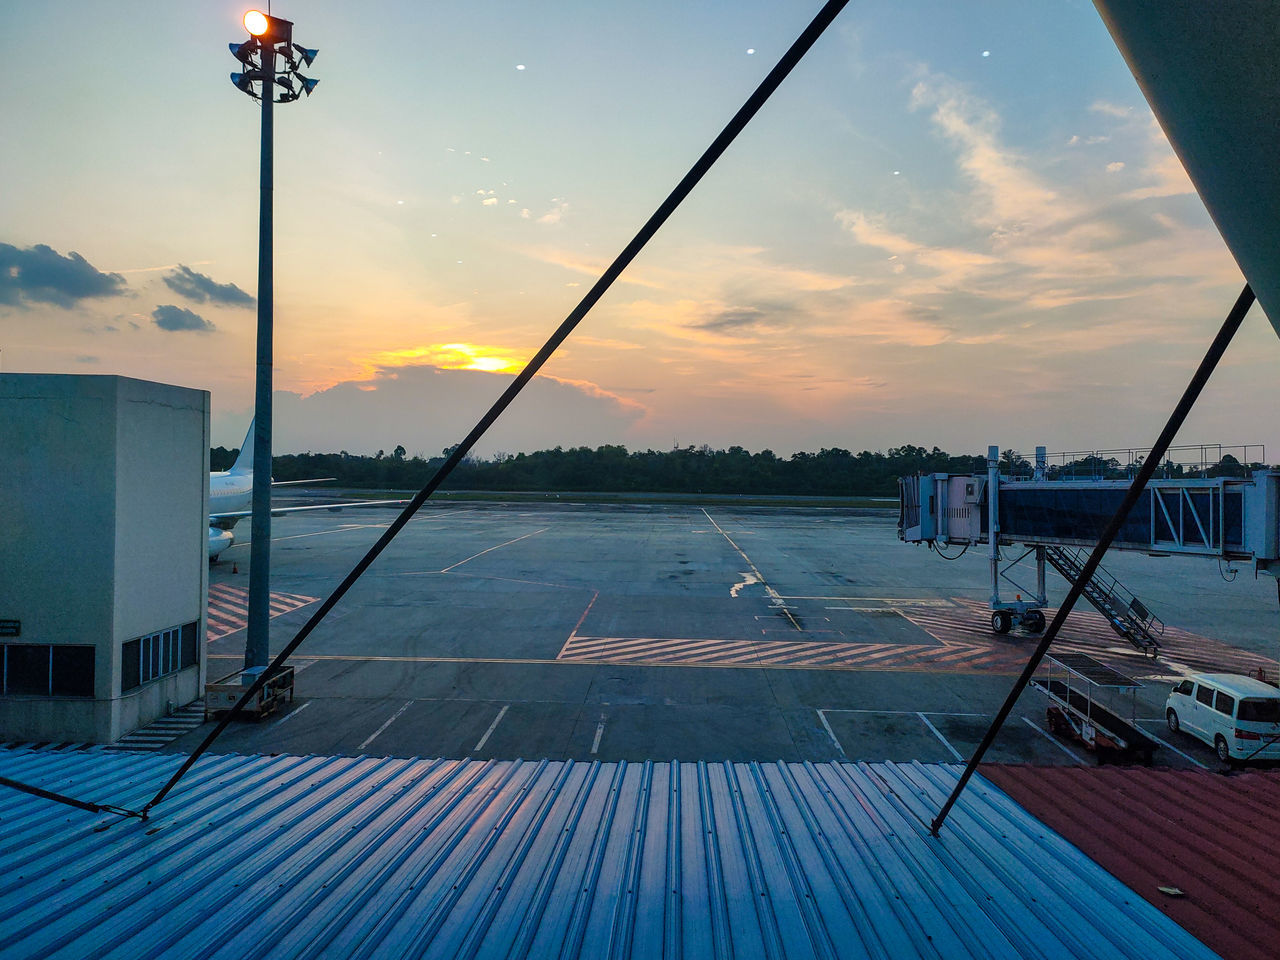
1126, 614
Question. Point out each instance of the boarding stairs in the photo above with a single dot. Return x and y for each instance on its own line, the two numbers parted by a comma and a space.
1127, 615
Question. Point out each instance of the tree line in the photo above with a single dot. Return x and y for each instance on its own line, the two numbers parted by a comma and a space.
613, 469
831, 472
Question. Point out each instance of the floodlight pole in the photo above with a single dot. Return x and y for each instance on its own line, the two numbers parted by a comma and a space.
257, 645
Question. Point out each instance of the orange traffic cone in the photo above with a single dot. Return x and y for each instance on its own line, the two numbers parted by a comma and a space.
234, 567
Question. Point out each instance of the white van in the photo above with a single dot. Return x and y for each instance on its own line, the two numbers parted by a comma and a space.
1238, 716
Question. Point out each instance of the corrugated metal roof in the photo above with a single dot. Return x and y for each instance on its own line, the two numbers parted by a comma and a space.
1210, 836
356, 857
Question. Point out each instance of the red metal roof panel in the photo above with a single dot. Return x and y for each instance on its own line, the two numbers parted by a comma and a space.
1210, 835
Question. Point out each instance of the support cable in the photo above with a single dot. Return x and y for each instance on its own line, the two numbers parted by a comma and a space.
699, 169
1149, 466
70, 801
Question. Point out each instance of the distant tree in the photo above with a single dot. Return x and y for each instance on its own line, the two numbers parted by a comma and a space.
1013, 464
398, 453
1228, 466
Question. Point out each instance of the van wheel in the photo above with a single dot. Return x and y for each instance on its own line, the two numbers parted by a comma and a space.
1220, 745
1171, 718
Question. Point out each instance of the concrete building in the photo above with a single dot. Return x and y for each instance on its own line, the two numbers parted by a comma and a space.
104, 487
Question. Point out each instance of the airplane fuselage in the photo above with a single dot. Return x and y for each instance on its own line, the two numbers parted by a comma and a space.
229, 492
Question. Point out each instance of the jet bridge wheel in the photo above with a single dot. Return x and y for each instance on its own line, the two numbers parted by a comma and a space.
1033, 621
1001, 621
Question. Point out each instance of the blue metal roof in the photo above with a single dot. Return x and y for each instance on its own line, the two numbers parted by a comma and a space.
287, 856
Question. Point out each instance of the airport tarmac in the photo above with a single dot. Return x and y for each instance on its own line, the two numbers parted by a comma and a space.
658, 631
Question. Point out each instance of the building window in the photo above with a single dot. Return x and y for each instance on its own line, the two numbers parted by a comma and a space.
157, 655
47, 670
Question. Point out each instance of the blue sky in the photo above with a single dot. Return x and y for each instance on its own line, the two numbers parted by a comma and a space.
954, 224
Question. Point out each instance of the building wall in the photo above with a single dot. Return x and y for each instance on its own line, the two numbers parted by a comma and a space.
57, 493
104, 505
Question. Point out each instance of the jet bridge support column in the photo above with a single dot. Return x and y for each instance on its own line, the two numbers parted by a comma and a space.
1006, 614
993, 521
1042, 456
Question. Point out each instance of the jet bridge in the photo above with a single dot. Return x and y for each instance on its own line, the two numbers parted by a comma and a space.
1227, 518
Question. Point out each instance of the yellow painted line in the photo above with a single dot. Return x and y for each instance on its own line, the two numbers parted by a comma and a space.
910, 668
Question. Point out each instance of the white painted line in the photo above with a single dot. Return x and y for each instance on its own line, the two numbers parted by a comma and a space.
496, 546
773, 594
294, 712
492, 727
595, 744
903, 713
822, 715
1165, 743
395, 716
1054, 740
938, 733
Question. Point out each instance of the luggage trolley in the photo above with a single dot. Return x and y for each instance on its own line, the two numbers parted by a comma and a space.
1074, 684
221, 695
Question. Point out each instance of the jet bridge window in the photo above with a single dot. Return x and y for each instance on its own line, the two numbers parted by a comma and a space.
157, 655
47, 670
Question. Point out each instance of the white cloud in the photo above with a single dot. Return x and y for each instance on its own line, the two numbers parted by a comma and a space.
364, 415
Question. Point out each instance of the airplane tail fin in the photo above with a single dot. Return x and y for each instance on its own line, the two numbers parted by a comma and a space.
244, 462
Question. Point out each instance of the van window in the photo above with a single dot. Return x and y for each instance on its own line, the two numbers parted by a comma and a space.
1225, 704
1260, 711
1204, 695
1184, 687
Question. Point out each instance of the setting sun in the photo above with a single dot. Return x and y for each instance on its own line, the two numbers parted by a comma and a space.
450, 356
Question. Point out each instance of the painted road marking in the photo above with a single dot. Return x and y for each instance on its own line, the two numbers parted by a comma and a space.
344, 527
686, 651
1165, 743
492, 727
1054, 740
774, 597
395, 716
294, 712
968, 623
904, 713
228, 608
822, 715
496, 546
938, 733
595, 744
889, 603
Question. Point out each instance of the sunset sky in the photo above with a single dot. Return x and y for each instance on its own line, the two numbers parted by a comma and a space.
954, 224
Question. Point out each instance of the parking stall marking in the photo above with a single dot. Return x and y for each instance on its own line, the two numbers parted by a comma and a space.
492, 727
390, 720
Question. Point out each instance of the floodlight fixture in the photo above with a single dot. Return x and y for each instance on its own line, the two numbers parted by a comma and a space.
244, 82
307, 55
244, 51
256, 22
308, 84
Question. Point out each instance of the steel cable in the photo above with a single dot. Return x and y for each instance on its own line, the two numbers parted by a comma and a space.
1149, 466
699, 169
